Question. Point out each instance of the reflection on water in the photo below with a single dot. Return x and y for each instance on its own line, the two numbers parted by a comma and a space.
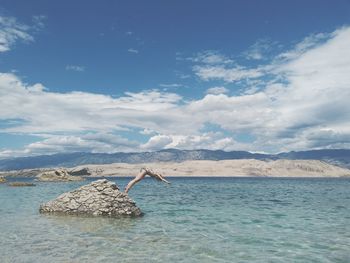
192, 220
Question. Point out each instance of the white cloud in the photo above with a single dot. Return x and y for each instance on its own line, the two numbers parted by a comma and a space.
75, 68
212, 65
207, 57
210, 141
306, 44
259, 49
317, 93
308, 94
157, 142
304, 105
211, 57
132, 50
244, 113
217, 90
91, 142
44, 111
172, 85
12, 31
234, 74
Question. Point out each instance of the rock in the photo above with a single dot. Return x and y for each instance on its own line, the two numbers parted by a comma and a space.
2, 179
20, 184
80, 172
58, 175
100, 197
23, 173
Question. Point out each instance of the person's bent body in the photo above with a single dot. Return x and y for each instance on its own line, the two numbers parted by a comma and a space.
141, 175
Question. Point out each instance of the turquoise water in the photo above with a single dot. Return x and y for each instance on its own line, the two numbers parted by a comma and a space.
192, 220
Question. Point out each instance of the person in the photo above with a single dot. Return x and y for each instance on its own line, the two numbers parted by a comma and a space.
141, 175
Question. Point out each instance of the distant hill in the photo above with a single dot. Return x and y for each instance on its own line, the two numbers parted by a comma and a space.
340, 157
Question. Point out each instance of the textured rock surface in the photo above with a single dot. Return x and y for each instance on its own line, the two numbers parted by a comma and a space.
20, 184
100, 197
277, 168
58, 175
2, 179
81, 172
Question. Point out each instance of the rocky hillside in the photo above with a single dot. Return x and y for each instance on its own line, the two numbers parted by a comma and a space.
243, 167
337, 157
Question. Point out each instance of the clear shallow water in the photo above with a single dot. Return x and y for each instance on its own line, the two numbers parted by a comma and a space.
193, 220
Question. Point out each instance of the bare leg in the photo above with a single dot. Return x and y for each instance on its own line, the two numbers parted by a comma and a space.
161, 178
158, 176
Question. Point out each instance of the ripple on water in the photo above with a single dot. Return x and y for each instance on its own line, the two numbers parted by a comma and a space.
193, 220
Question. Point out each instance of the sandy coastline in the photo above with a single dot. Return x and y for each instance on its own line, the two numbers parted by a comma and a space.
227, 168
230, 168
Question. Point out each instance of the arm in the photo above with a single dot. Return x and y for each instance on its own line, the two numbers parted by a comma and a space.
137, 179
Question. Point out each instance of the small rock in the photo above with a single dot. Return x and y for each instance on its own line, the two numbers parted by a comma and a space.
80, 172
2, 179
20, 184
58, 175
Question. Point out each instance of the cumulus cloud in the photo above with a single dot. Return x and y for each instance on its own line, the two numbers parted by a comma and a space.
210, 141
44, 111
302, 105
91, 142
158, 142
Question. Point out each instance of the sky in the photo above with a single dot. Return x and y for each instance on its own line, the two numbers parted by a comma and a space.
128, 76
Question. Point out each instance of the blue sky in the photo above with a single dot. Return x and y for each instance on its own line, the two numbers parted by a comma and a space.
108, 76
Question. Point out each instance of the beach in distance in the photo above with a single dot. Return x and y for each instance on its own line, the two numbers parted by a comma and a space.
198, 168
244, 167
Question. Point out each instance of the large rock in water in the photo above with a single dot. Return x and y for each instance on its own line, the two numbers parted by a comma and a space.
58, 175
100, 197
2, 179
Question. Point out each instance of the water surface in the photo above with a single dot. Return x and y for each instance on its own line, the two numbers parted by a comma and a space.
192, 220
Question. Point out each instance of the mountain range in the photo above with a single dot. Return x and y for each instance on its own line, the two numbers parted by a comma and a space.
340, 157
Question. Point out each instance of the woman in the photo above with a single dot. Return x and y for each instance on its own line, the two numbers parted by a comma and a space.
141, 175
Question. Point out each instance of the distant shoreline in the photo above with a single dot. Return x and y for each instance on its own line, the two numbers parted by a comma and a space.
223, 177
206, 168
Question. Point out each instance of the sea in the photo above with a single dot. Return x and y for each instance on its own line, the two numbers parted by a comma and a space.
192, 220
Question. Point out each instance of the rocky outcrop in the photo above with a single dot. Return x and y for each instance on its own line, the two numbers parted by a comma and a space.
24, 173
2, 179
80, 172
20, 184
58, 175
100, 197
